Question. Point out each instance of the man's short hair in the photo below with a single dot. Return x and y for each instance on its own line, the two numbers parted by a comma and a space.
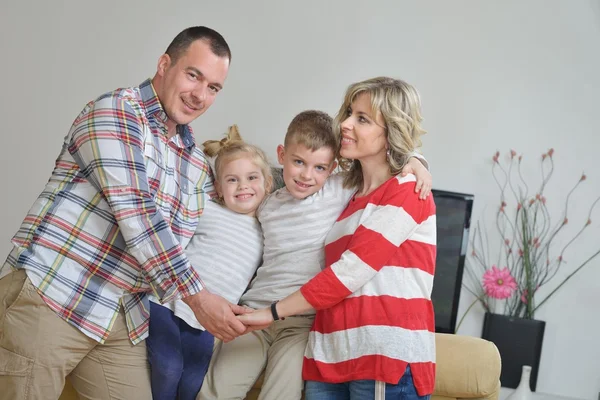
313, 129
185, 38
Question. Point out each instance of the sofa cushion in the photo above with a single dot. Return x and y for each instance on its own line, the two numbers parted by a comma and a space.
467, 367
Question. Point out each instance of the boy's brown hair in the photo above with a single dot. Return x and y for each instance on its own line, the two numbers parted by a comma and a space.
313, 129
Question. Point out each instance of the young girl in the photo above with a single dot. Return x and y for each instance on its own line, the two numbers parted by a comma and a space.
226, 249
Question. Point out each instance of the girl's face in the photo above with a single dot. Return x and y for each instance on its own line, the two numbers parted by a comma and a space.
363, 134
241, 184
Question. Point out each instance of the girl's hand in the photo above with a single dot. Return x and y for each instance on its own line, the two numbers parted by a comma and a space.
424, 178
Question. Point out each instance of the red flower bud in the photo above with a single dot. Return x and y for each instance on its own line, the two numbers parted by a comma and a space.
519, 206
550, 152
537, 196
544, 156
512, 153
520, 158
589, 221
503, 204
520, 253
566, 221
560, 258
543, 200
583, 177
507, 242
531, 202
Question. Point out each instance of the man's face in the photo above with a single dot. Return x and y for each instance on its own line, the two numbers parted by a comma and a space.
305, 171
188, 87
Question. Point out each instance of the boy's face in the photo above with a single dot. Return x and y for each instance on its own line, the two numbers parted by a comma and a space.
305, 171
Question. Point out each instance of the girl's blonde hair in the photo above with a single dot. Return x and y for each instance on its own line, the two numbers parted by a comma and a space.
400, 106
232, 147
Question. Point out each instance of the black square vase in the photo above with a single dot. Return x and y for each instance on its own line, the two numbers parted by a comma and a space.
519, 342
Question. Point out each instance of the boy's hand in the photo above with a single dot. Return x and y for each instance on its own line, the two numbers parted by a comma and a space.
424, 179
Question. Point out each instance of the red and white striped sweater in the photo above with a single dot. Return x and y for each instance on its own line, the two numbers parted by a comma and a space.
373, 300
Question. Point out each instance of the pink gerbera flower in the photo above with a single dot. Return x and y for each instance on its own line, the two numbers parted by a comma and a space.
498, 283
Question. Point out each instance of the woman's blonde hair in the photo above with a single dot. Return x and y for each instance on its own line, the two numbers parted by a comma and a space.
400, 106
232, 147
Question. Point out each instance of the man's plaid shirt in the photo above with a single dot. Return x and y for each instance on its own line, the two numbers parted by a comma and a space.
110, 227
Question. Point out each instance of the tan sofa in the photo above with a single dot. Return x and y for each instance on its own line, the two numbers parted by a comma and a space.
467, 368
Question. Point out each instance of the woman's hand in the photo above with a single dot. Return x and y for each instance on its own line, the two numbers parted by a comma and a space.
424, 178
262, 318
294, 304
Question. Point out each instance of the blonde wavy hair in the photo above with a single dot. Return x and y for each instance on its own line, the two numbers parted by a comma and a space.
400, 107
233, 147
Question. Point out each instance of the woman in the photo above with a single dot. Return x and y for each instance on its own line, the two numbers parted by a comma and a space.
373, 335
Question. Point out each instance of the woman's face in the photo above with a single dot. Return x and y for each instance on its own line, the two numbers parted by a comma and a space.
363, 134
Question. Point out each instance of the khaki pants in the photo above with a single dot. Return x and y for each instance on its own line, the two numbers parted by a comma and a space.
38, 350
279, 350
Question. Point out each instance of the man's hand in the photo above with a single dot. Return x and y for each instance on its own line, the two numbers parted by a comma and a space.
424, 179
217, 315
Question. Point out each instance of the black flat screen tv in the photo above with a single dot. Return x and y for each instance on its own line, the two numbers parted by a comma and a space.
453, 218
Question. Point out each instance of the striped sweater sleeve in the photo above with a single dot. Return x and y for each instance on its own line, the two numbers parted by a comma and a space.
388, 223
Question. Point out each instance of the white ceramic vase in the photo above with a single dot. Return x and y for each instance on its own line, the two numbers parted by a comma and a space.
523, 391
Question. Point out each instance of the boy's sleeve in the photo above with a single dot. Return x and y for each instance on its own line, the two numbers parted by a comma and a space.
389, 224
108, 145
421, 158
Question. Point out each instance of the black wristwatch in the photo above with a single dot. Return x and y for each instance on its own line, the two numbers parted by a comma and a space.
274, 311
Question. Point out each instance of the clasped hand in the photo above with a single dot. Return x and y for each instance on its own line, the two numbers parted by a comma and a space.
225, 321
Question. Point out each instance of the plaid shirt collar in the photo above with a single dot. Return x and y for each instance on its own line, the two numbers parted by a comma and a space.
154, 109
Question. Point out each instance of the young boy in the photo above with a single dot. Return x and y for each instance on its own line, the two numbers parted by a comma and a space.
295, 221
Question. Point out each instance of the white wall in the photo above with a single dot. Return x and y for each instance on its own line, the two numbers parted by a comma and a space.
493, 75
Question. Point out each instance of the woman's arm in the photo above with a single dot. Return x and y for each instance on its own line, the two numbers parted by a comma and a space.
294, 304
373, 243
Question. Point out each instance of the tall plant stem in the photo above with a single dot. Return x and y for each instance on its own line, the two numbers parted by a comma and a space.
466, 312
566, 279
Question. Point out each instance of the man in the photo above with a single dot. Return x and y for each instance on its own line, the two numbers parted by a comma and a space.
108, 230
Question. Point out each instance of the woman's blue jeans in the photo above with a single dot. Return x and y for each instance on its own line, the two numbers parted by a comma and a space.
363, 390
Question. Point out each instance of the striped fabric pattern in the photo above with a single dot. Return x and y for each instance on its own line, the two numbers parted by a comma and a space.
225, 250
111, 224
294, 237
374, 310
